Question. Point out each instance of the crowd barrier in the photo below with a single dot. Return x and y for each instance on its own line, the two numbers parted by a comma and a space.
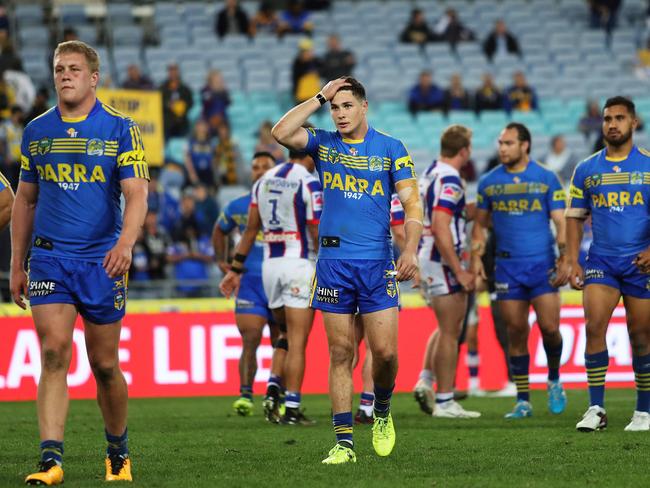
177, 348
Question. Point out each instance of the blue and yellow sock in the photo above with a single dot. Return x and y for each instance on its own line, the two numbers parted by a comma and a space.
292, 399
553, 357
382, 400
641, 366
246, 392
367, 401
472, 363
117, 445
519, 367
343, 428
52, 450
596, 366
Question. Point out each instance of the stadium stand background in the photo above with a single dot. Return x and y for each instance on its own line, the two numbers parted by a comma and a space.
565, 60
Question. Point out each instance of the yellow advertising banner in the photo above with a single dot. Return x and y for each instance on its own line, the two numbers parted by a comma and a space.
145, 107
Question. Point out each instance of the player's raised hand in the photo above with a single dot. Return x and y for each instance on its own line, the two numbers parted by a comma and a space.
466, 279
407, 266
18, 286
230, 284
642, 261
562, 272
576, 276
118, 260
330, 89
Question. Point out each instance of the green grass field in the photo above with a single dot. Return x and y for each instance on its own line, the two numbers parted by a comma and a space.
198, 442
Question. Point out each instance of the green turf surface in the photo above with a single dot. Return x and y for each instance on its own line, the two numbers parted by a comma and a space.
198, 442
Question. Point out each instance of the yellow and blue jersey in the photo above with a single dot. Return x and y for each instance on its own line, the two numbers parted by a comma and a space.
4, 183
616, 193
235, 215
358, 179
520, 204
78, 165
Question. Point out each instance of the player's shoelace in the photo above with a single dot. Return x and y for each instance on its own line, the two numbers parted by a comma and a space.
381, 427
45, 466
117, 463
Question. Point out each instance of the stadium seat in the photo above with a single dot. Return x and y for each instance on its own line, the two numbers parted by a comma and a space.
29, 14
72, 14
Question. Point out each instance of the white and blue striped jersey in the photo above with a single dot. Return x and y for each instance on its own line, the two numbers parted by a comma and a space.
288, 198
442, 189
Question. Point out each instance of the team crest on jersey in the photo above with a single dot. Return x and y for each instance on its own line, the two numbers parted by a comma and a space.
44, 146
95, 147
375, 163
391, 288
498, 189
516, 179
333, 156
617, 169
595, 180
353, 151
71, 132
636, 178
647, 285
118, 300
534, 188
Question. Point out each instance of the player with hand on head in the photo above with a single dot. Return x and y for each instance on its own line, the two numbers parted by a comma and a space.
359, 168
522, 196
444, 280
613, 187
251, 304
76, 160
286, 204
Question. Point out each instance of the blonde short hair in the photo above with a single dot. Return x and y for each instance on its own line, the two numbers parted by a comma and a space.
92, 58
453, 139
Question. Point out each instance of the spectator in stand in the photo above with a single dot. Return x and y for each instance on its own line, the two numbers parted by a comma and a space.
199, 159
456, 96
215, 99
266, 21
267, 143
21, 84
604, 14
642, 69
206, 209
4, 19
305, 72
520, 96
591, 123
177, 101
228, 159
426, 95
190, 253
337, 62
70, 34
232, 19
296, 19
501, 42
156, 241
11, 135
139, 270
417, 31
8, 55
450, 29
162, 202
135, 80
40, 106
488, 96
560, 159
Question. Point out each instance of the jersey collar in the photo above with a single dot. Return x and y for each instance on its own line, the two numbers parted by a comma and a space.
73, 120
356, 141
618, 160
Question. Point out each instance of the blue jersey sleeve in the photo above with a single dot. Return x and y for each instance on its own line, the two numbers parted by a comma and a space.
314, 137
28, 171
451, 193
578, 203
556, 196
482, 200
225, 221
131, 161
401, 167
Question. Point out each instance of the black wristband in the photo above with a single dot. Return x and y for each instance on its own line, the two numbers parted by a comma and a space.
236, 270
321, 99
240, 258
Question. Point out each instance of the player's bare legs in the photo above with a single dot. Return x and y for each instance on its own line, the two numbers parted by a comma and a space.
54, 325
102, 344
364, 412
423, 390
250, 327
638, 326
299, 323
381, 332
450, 312
599, 302
341, 343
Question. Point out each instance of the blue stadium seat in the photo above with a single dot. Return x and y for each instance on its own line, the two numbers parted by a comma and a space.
120, 13
29, 15
72, 14
127, 35
34, 37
